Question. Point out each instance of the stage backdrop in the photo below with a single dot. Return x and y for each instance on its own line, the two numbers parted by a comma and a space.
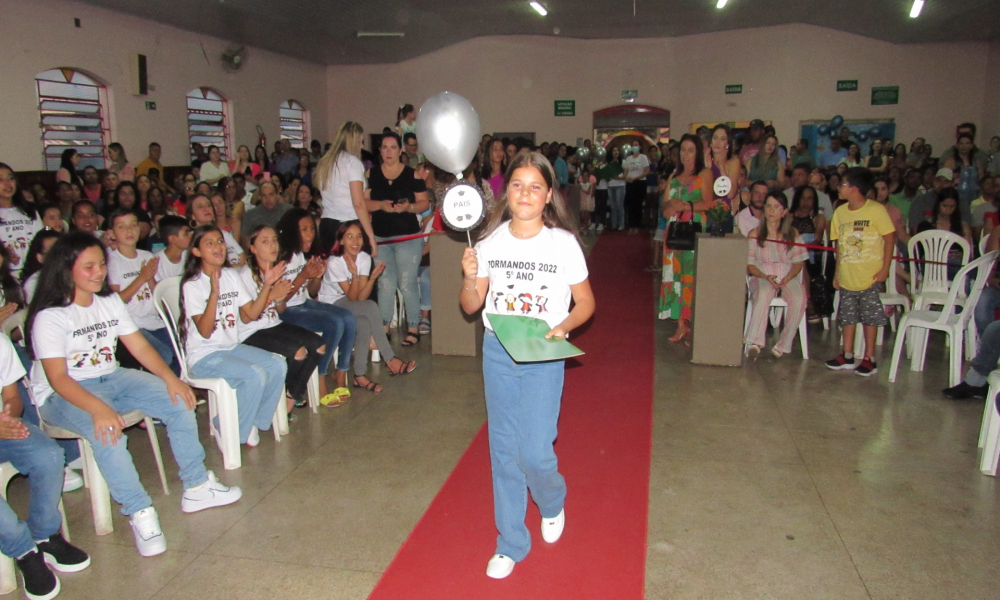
809, 130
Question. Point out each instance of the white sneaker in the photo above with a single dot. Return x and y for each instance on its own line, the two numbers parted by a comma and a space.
500, 566
71, 480
149, 538
209, 495
253, 440
552, 528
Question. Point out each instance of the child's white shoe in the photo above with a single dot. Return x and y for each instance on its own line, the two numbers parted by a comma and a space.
149, 538
500, 566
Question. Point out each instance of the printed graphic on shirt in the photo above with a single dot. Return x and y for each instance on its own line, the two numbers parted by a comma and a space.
522, 297
225, 311
102, 349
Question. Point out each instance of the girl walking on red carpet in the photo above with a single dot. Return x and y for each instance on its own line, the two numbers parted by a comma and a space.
527, 248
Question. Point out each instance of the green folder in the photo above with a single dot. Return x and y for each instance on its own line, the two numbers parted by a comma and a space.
524, 339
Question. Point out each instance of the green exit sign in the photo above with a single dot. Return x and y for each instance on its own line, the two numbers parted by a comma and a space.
150, 105
630, 95
847, 85
734, 88
565, 108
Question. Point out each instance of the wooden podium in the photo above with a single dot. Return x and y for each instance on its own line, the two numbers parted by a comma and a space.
452, 331
719, 308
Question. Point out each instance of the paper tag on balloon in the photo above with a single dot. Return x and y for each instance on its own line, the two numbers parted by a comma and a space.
723, 185
462, 206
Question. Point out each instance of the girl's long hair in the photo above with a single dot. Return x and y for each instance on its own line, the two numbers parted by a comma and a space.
192, 268
18, 199
252, 263
55, 283
797, 199
66, 162
762, 165
349, 139
338, 248
122, 159
289, 236
955, 226
785, 230
554, 214
31, 263
486, 171
9, 284
729, 138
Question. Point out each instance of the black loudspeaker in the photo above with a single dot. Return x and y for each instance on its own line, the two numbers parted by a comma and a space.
140, 77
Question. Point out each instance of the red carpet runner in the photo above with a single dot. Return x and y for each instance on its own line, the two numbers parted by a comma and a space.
604, 452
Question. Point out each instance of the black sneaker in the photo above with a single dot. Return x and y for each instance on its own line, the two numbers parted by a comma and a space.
866, 368
964, 391
841, 363
63, 556
39, 582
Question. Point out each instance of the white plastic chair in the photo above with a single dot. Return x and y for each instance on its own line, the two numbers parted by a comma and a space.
931, 287
777, 310
222, 405
989, 432
8, 574
947, 320
983, 242
100, 497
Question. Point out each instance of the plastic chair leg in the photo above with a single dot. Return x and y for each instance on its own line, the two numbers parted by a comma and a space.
229, 430
991, 446
921, 337
989, 414
955, 355
897, 350
804, 337
312, 391
279, 422
154, 441
100, 497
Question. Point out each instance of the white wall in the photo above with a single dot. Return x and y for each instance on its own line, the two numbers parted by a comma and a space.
991, 97
788, 74
37, 35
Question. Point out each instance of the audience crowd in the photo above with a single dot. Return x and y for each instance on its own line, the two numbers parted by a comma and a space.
292, 261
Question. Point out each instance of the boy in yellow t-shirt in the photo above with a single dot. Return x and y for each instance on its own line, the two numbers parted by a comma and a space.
865, 239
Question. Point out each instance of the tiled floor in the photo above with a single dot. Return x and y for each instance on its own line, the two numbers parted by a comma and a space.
781, 479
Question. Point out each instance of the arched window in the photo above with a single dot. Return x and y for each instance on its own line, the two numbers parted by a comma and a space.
208, 120
74, 114
294, 120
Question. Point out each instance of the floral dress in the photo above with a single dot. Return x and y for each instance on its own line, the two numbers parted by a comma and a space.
677, 289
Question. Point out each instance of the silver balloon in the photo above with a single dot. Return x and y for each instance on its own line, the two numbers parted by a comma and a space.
448, 131
600, 153
582, 155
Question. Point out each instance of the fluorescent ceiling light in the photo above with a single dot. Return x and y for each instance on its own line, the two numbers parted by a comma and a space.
539, 8
918, 5
721, 4
362, 34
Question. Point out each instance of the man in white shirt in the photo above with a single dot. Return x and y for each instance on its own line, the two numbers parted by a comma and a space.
749, 218
636, 167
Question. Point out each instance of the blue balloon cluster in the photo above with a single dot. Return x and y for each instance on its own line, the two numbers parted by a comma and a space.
838, 121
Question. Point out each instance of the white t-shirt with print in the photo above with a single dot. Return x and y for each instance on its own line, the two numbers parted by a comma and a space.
86, 336
268, 317
532, 277
292, 270
121, 272
232, 295
337, 271
635, 165
16, 232
337, 202
166, 269
233, 248
11, 369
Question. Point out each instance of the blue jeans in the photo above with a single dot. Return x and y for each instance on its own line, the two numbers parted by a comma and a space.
989, 302
522, 407
335, 324
159, 339
258, 377
401, 263
424, 274
125, 390
986, 357
41, 460
616, 198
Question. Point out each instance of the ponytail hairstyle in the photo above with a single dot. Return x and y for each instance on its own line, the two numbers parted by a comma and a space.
192, 269
554, 214
9, 284
18, 200
31, 263
338, 247
785, 230
55, 283
403, 111
252, 263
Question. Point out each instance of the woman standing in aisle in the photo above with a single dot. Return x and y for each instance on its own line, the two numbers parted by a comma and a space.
340, 177
689, 194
